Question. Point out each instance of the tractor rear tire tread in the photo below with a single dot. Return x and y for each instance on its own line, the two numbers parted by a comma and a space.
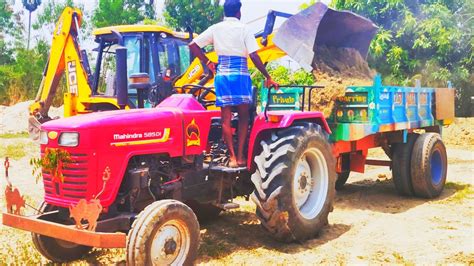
273, 175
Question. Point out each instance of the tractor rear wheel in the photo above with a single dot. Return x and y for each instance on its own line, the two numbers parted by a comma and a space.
165, 233
429, 166
401, 165
294, 182
57, 250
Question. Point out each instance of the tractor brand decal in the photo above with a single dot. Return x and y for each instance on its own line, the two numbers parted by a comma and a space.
423, 98
354, 98
72, 76
411, 100
193, 71
150, 137
157, 134
398, 98
284, 98
192, 134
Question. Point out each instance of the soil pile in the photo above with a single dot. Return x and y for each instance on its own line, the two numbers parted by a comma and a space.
461, 132
14, 119
336, 69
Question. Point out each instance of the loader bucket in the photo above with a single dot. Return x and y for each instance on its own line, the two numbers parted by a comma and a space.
319, 26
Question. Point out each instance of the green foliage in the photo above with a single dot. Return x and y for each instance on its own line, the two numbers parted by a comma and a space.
196, 13
122, 12
427, 39
283, 76
20, 79
53, 162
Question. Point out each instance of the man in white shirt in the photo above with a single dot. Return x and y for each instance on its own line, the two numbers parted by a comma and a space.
233, 43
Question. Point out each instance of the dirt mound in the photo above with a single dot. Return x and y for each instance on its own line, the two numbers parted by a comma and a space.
461, 132
336, 69
14, 119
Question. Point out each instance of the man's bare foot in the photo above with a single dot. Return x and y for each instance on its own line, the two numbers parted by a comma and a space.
233, 163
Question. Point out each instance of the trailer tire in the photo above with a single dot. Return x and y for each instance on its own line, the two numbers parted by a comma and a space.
401, 162
165, 233
294, 205
54, 249
429, 166
342, 179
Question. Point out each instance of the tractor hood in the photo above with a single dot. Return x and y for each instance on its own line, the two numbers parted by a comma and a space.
321, 26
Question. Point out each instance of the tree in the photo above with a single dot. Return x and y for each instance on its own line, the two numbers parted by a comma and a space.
52, 10
122, 12
197, 14
427, 39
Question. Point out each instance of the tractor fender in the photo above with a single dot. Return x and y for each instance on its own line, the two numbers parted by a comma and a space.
279, 120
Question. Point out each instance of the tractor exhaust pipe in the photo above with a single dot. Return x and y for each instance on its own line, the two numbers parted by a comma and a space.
121, 76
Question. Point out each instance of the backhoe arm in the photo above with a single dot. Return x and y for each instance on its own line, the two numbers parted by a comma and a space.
64, 55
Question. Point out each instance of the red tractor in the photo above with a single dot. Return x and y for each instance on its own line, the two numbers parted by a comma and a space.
166, 169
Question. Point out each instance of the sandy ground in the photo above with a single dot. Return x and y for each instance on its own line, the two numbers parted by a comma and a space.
370, 224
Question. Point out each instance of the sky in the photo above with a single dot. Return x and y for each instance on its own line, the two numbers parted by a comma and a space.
251, 10
253, 13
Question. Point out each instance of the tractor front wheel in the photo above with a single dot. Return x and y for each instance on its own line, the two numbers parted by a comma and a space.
165, 233
57, 250
294, 182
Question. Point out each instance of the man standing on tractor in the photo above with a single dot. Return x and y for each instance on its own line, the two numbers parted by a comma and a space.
233, 43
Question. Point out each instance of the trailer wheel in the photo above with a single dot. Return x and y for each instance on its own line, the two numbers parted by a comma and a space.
294, 182
401, 162
429, 165
165, 233
342, 179
57, 250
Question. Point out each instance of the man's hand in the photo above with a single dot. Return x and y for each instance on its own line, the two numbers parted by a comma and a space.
212, 66
270, 83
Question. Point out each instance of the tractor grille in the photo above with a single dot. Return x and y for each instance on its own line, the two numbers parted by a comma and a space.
74, 186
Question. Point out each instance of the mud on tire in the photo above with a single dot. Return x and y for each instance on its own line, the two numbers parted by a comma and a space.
54, 249
294, 182
166, 232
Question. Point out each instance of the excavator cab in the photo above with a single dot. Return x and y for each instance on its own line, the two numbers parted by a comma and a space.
151, 50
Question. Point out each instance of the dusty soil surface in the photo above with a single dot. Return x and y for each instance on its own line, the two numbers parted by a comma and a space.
14, 118
370, 224
336, 69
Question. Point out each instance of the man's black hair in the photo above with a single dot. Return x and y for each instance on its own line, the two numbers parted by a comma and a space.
232, 7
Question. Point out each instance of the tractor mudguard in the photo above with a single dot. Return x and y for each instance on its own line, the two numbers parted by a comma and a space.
279, 120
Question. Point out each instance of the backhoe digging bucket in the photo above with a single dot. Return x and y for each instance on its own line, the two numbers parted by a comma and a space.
320, 26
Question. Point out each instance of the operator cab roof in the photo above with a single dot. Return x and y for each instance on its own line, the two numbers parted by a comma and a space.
140, 28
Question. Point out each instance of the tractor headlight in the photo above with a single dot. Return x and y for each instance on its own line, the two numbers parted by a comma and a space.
69, 139
43, 137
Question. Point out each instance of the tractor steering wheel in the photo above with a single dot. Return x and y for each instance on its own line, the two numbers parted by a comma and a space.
200, 92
